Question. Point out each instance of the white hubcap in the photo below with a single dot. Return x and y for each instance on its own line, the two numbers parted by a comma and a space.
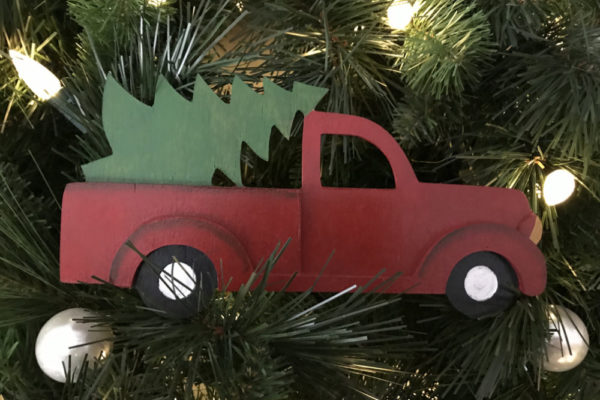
481, 283
177, 281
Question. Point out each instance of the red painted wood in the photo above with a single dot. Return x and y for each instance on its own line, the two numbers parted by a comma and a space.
417, 228
500, 239
215, 241
99, 218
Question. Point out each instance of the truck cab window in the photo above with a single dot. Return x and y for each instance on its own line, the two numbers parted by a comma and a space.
352, 162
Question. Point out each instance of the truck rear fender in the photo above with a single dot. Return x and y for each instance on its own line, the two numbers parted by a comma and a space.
524, 256
220, 245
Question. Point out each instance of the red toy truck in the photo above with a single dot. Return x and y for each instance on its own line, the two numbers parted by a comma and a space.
475, 244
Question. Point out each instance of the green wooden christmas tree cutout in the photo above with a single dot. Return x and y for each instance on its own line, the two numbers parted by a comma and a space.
177, 141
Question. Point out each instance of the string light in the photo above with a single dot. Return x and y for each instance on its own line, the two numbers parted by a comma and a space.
157, 3
558, 186
400, 13
38, 78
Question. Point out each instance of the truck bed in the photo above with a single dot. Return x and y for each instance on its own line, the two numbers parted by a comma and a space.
99, 218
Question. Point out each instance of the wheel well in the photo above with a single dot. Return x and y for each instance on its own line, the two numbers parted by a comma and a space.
520, 253
220, 245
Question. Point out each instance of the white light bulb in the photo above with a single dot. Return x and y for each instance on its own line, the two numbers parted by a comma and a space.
400, 13
558, 186
157, 3
38, 78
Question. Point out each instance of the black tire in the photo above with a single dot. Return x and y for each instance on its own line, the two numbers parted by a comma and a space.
478, 304
172, 298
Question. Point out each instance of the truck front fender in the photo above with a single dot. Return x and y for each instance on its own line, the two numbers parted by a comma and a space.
523, 255
220, 245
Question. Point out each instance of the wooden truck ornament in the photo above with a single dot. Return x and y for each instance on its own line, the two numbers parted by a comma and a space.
477, 245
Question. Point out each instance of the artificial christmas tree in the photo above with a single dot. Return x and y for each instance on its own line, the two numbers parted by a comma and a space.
476, 92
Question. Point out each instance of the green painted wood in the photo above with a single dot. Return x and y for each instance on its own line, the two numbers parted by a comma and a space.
177, 141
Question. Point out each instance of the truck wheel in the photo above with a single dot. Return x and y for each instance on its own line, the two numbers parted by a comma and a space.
177, 281
481, 284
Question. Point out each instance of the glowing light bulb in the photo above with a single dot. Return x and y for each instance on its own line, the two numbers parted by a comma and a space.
38, 78
400, 13
157, 3
558, 186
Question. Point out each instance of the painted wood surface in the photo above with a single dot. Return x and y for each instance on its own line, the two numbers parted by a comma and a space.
176, 141
421, 230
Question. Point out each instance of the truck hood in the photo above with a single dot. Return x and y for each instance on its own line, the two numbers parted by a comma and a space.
460, 205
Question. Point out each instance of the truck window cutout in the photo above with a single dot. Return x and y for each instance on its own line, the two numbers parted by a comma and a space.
352, 162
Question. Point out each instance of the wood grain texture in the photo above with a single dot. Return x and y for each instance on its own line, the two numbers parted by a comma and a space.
176, 141
420, 230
